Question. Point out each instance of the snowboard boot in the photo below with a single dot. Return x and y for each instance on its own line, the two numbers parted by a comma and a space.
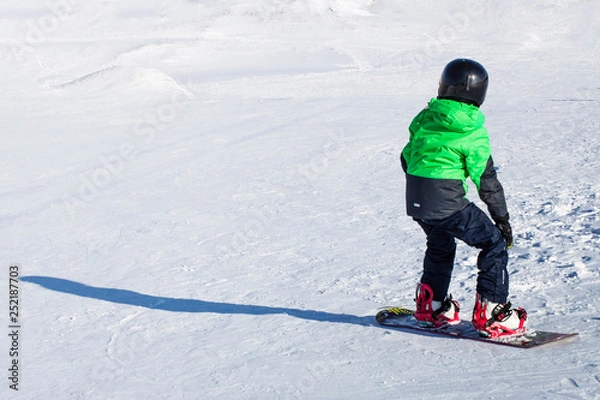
495, 320
435, 314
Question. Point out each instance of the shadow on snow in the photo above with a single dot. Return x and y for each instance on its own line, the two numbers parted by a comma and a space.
129, 297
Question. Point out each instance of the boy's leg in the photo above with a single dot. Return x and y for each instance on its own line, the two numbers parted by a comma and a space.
476, 229
439, 260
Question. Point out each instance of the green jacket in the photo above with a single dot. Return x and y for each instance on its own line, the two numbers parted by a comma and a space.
448, 144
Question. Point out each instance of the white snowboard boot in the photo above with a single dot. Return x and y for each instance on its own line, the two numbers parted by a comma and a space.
435, 314
497, 319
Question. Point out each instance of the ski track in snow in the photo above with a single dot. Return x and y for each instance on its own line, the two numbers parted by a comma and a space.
205, 200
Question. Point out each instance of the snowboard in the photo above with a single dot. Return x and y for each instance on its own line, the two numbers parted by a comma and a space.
403, 319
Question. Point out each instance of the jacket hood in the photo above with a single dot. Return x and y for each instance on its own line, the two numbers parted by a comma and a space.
456, 116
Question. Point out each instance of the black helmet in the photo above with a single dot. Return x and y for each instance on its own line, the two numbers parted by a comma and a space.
464, 80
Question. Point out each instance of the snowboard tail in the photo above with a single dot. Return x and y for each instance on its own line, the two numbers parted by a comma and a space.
403, 319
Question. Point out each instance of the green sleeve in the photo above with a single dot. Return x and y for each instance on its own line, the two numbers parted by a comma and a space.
407, 151
477, 154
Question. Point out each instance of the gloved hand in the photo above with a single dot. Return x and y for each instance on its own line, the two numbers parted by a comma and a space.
504, 226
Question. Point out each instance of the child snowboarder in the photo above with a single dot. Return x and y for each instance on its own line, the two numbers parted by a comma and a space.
447, 144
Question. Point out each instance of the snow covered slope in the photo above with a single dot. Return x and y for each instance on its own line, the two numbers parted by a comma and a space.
204, 198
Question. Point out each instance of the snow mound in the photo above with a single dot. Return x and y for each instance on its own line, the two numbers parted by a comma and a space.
123, 79
353, 7
294, 9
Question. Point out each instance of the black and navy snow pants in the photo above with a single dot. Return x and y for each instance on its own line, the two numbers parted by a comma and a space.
472, 226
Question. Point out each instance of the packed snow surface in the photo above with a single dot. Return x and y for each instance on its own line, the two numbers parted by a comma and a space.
203, 199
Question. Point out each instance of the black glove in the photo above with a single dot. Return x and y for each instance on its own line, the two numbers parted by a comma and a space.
504, 226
